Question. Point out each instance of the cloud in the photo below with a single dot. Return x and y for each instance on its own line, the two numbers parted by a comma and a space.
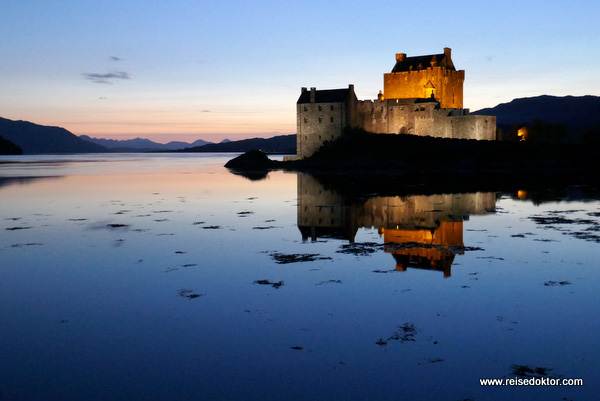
106, 78
115, 58
205, 111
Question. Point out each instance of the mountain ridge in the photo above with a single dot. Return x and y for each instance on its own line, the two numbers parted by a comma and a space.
34, 138
577, 113
142, 144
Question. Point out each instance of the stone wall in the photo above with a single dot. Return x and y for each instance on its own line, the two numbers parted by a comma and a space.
416, 117
412, 84
320, 122
317, 123
474, 127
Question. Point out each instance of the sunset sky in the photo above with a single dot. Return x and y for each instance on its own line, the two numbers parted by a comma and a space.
187, 70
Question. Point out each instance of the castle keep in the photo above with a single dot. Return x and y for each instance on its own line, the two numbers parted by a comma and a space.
422, 95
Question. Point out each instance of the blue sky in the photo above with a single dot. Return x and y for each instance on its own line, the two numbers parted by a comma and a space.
184, 70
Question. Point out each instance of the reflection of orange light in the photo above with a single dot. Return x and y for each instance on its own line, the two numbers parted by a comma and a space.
521, 194
522, 133
447, 235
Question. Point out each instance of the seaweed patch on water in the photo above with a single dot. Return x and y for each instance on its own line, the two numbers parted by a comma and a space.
22, 245
556, 283
271, 283
429, 361
285, 258
329, 282
555, 220
530, 371
359, 248
405, 333
190, 294
264, 227
117, 225
386, 271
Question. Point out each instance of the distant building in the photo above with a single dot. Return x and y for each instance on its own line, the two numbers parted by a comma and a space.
422, 95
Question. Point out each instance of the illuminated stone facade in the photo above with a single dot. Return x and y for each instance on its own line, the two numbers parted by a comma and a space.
422, 95
424, 76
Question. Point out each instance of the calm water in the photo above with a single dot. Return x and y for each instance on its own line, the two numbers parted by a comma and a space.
161, 277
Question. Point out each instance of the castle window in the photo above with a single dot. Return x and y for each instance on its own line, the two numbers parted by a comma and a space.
305, 120
305, 108
331, 107
331, 119
320, 119
320, 108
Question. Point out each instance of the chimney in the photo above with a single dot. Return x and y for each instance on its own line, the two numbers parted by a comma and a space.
351, 87
313, 94
303, 89
400, 57
447, 52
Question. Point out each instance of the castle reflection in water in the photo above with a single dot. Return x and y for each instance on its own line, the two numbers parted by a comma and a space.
420, 231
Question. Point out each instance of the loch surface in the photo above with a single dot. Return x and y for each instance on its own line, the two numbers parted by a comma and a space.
167, 277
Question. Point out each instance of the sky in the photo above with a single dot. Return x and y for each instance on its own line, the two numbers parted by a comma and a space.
187, 70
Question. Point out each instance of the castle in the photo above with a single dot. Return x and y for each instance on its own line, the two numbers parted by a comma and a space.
422, 95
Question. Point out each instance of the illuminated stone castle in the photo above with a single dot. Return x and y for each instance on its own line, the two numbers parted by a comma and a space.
422, 95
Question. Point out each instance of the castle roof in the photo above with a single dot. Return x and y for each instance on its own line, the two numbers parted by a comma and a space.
423, 62
326, 95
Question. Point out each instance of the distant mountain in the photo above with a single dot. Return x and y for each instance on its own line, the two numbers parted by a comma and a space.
9, 148
141, 144
577, 113
34, 138
277, 144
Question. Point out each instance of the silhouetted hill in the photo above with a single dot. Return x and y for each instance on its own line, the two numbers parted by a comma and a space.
34, 138
141, 144
577, 113
9, 148
278, 144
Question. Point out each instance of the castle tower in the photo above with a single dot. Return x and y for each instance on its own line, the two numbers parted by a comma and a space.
422, 76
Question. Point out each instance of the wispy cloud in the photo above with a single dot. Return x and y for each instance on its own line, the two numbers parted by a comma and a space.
106, 78
115, 58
